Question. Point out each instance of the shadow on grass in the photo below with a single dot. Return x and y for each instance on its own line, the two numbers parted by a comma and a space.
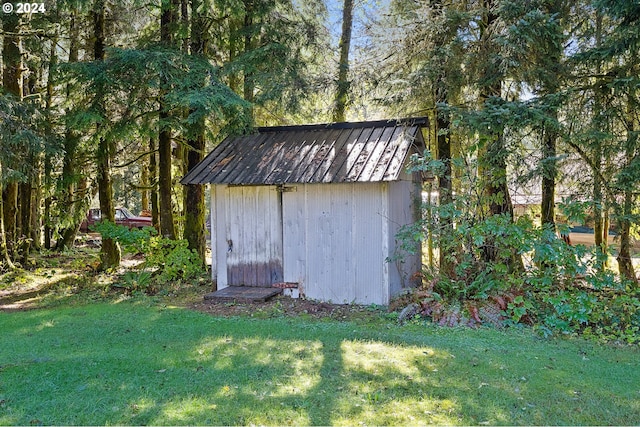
59, 289
126, 364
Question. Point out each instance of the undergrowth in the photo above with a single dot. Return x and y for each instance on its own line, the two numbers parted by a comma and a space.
503, 271
166, 262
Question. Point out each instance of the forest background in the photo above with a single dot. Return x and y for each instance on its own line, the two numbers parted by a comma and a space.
533, 108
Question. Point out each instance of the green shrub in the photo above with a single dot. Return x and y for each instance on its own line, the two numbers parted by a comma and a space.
524, 270
171, 260
174, 259
130, 240
135, 282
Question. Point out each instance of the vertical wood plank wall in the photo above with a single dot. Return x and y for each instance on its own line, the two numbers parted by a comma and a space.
332, 239
248, 235
333, 244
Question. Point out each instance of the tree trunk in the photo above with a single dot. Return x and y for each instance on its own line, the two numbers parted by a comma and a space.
48, 179
13, 82
25, 192
69, 199
167, 228
153, 180
47, 201
110, 254
10, 201
606, 224
194, 194
342, 89
67, 202
625, 263
36, 211
598, 202
549, 172
144, 182
5, 258
445, 190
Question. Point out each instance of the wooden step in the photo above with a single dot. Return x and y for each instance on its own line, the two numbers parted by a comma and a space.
243, 293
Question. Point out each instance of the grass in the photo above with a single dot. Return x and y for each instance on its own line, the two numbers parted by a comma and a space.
131, 363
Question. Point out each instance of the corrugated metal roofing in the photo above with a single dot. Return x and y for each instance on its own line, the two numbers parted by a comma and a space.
338, 152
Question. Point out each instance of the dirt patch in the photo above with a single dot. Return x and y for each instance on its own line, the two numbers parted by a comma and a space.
283, 306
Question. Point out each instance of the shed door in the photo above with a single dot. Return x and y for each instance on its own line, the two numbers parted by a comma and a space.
254, 236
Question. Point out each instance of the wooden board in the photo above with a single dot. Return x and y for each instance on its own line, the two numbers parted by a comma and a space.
244, 293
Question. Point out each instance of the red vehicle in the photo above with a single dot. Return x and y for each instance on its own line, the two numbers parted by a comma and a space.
123, 217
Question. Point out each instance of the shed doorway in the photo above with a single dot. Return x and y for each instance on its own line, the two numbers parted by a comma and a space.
254, 235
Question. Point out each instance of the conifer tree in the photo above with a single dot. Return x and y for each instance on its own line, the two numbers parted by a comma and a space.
342, 83
168, 21
110, 250
12, 82
196, 143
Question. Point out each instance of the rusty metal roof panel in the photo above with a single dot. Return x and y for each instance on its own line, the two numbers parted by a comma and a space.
339, 152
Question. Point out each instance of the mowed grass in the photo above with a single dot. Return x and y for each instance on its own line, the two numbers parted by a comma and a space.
133, 364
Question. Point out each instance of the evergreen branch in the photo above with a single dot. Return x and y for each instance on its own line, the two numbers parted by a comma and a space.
593, 167
153, 186
124, 165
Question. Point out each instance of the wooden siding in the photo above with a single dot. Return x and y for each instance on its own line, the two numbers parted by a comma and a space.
337, 239
248, 235
402, 197
294, 230
332, 241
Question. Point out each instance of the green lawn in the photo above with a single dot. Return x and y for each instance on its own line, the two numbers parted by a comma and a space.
133, 364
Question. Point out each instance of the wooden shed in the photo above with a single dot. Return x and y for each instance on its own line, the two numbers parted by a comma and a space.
316, 207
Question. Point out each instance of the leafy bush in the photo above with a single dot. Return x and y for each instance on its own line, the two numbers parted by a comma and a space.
522, 269
170, 259
174, 258
131, 240
611, 313
136, 281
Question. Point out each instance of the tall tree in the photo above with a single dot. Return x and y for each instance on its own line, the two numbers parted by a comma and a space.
194, 196
342, 84
614, 134
153, 182
492, 157
628, 181
600, 124
18, 134
270, 46
445, 83
70, 176
622, 47
550, 85
110, 250
168, 21
535, 43
12, 81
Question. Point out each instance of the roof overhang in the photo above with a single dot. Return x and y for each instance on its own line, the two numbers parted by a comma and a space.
323, 153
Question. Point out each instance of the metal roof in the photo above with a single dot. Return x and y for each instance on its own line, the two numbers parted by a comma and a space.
328, 153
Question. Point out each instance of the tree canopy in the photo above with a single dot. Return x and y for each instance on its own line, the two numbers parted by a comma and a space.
533, 106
